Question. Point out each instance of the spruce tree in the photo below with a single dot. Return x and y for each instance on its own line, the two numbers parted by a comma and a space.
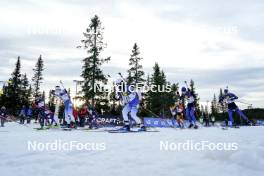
135, 72
221, 104
214, 107
196, 97
38, 77
51, 101
12, 95
159, 100
92, 72
25, 90
43, 95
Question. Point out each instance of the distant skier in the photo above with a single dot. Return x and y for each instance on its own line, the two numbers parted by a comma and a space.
213, 119
29, 114
206, 120
40, 105
23, 114
130, 99
83, 113
68, 106
92, 118
229, 99
3, 115
190, 110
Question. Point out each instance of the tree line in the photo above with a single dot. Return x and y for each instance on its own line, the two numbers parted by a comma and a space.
18, 90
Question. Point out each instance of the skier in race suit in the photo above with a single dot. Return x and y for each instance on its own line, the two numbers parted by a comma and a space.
130, 99
3, 115
177, 111
229, 99
68, 106
190, 110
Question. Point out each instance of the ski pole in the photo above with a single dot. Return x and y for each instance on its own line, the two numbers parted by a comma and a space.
186, 84
122, 77
150, 111
244, 102
62, 84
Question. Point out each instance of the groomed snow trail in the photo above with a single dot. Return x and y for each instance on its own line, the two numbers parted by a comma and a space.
131, 154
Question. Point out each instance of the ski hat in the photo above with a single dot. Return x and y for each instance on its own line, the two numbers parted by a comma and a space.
183, 89
57, 88
226, 90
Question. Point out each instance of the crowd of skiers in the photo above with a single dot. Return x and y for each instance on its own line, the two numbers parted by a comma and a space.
82, 116
130, 100
179, 111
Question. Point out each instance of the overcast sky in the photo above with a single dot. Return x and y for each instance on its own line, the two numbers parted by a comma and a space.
216, 43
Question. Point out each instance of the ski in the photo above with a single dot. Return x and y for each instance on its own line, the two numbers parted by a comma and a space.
44, 128
226, 128
67, 129
94, 130
130, 131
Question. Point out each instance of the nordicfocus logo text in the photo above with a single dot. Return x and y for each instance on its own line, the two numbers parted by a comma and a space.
58, 145
124, 87
190, 145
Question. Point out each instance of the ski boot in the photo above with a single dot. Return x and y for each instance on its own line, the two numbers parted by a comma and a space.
190, 126
195, 127
142, 128
249, 123
125, 128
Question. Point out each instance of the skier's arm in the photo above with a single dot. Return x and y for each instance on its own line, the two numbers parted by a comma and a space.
233, 96
221, 99
57, 94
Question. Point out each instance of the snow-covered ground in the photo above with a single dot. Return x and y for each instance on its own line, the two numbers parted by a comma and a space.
131, 154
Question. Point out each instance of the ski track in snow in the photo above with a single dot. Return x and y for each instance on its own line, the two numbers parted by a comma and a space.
132, 154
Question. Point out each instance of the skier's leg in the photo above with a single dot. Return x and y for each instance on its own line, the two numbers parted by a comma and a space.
182, 120
134, 116
188, 116
192, 115
66, 117
243, 116
187, 113
68, 113
193, 118
230, 116
56, 119
125, 112
41, 119
178, 120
